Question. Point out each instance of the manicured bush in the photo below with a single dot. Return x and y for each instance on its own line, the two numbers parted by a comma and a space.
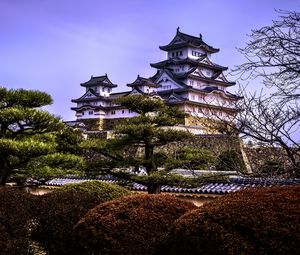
17, 219
193, 159
253, 221
230, 161
62, 209
102, 190
131, 225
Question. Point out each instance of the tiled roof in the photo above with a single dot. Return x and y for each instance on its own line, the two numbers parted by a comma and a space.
182, 40
234, 184
141, 81
178, 61
99, 81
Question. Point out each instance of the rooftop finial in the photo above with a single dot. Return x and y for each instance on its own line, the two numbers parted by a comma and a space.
178, 29
200, 36
106, 74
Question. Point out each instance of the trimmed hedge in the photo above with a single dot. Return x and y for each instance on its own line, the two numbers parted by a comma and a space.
253, 221
131, 225
102, 190
62, 209
17, 219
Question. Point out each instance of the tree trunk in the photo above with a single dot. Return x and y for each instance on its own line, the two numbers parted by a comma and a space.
154, 188
149, 157
4, 171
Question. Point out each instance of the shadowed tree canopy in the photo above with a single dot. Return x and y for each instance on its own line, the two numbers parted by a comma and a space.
151, 128
26, 131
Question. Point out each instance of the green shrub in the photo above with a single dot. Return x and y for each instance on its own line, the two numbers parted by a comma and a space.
17, 218
62, 209
102, 190
230, 161
253, 221
271, 168
190, 158
131, 225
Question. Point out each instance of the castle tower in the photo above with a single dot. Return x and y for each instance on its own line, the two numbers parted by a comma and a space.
187, 78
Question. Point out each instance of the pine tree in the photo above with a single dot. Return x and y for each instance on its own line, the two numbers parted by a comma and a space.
28, 133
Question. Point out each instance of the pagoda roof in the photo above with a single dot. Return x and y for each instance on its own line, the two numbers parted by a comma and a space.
202, 78
160, 72
182, 40
177, 61
206, 90
141, 81
90, 95
202, 61
113, 96
87, 106
99, 81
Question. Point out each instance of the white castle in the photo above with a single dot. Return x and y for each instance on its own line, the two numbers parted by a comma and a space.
187, 78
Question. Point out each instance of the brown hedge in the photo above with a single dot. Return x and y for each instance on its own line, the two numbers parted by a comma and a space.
131, 225
253, 221
58, 213
60, 210
17, 220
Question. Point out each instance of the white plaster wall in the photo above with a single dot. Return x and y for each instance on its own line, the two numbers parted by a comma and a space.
184, 53
86, 115
118, 114
190, 53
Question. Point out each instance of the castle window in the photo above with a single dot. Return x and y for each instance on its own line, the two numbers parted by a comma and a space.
123, 111
113, 112
82, 113
180, 52
173, 54
193, 97
201, 97
103, 89
108, 90
91, 112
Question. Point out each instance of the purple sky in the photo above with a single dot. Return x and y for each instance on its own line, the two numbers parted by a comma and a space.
54, 45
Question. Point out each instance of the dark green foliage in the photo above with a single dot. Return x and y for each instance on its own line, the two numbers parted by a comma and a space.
253, 221
17, 220
61, 210
150, 129
55, 164
68, 140
27, 132
131, 225
230, 161
272, 167
102, 190
194, 159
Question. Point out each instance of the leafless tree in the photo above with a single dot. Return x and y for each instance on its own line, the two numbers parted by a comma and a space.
273, 54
